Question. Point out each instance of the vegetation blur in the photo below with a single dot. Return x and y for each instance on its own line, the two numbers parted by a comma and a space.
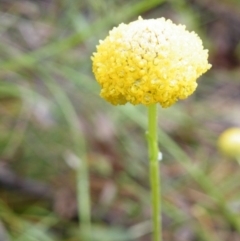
52, 118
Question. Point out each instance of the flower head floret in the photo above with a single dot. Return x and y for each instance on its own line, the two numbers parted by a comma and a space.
149, 61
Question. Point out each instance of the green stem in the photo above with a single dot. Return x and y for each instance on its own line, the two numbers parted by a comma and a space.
79, 147
154, 172
83, 198
238, 160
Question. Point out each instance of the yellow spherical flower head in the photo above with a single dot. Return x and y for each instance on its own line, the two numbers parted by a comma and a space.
229, 142
149, 61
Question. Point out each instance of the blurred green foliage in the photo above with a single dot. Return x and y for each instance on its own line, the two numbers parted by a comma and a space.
51, 115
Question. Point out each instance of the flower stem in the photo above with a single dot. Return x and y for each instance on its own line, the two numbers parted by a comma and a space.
154, 172
83, 198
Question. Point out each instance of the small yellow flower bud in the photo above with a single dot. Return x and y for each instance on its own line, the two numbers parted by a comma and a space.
229, 142
148, 62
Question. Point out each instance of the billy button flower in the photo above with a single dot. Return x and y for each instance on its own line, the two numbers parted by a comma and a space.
149, 62
229, 142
